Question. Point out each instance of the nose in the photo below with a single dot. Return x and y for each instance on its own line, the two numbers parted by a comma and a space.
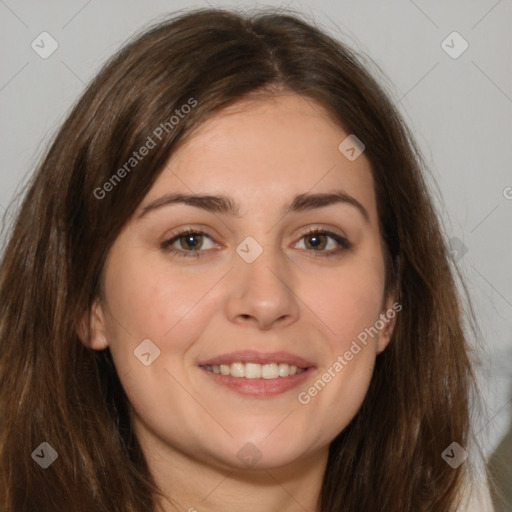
262, 292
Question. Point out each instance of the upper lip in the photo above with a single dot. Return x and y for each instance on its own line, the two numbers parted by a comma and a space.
253, 356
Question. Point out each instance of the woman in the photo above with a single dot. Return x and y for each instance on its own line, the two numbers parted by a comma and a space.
227, 286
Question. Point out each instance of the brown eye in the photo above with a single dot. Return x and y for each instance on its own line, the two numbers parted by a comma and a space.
320, 240
187, 243
191, 241
316, 241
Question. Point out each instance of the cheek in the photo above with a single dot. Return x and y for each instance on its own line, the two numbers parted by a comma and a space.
348, 303
346, 300
157, 302
346, 310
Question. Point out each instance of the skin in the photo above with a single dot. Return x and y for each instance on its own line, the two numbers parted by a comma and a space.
261, 153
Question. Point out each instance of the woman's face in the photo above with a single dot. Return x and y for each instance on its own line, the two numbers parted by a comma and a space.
257, 280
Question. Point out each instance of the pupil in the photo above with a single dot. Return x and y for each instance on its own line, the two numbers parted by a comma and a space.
317, 238
191, 240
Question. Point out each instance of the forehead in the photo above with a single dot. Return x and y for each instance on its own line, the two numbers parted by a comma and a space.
261, 151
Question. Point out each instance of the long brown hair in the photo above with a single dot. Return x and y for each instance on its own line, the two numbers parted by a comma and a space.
54, 389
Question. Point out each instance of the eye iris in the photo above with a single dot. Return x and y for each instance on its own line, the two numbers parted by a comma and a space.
192, 240
318, 242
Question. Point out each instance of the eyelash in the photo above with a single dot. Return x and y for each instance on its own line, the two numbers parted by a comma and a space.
344, 244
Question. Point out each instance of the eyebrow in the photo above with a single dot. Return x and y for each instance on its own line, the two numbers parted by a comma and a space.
226, 205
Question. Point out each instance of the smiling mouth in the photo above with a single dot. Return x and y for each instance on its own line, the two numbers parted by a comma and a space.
257, 380
255, 370
257, 374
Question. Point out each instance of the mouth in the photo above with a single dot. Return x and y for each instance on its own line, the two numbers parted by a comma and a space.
257, 374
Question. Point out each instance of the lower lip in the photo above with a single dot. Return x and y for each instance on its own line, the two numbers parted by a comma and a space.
259, 387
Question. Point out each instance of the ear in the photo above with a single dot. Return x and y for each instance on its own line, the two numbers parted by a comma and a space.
91, 328
388, 317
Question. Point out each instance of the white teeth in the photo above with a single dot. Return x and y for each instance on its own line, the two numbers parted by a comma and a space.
270, 371
238, 369
255, 370
225, 369
283, 370
252, 371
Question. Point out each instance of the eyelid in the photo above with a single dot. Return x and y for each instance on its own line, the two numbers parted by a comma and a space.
324, 229
175, 235
339, 237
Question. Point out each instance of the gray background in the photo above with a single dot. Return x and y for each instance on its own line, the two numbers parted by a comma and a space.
460, 110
